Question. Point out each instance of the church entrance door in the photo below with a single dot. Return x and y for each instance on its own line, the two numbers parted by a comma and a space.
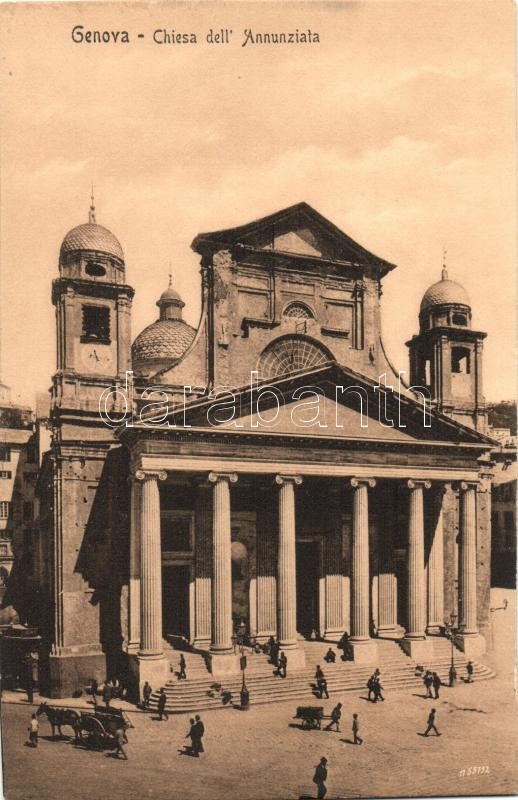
175, 600
308, 573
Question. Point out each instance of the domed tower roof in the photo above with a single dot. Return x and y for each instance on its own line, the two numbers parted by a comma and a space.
164, 342
445, 292
92, 236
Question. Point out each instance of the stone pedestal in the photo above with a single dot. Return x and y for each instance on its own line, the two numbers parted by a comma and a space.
222, 665
153, 669
70, 671
420, 650
365, 652
472, 645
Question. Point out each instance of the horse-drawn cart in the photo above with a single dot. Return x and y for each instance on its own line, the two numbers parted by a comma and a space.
311, 716
97, 729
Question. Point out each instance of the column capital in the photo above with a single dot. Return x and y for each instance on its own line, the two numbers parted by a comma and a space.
280, 480
150, 474
215, 477
466, 486
413, 484
357, 482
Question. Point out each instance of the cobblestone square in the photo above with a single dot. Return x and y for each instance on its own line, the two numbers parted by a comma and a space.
263, 754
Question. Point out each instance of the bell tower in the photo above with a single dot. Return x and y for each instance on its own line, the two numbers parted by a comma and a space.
93, 307
446, 355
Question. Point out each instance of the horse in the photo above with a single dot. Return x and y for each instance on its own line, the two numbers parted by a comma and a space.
58, 716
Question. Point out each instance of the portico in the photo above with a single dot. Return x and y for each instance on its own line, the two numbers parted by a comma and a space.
262, 503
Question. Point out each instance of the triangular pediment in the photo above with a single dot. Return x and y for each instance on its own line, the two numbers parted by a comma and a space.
327, 401
298, 230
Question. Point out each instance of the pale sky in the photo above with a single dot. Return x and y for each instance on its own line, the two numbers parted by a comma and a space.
399, 127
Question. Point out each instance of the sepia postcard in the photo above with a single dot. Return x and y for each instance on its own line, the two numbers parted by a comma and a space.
258, 436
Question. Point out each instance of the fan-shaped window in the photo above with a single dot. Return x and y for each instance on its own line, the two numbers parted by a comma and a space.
298, 310
291, 354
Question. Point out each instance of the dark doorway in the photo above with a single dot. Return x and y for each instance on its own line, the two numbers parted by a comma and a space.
308, 573
402, 583
175, 600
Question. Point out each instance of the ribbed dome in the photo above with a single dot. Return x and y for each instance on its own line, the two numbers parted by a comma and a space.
163, 340
91, 236
445, 292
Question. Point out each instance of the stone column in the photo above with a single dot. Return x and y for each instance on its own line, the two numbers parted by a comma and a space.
387, 582
203, 566
152, 664
468, 638
363, 647
415, 643
286, 566
435, 567
222, 653
134, 571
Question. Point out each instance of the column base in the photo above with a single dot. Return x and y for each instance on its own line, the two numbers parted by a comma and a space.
333, 634
364, 651
435, 629
201, 644
153, 669
420, 650
390, 632
471, 644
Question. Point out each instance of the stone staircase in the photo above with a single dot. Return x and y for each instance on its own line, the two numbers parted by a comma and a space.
201, 692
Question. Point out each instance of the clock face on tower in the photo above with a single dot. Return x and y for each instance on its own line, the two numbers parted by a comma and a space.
96, 357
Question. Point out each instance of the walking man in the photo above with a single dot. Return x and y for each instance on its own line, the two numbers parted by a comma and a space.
162, 700
182, 673
321, 682
469, 670
283, 664
436, 684
146, 694
199, 730
336, 713
33, 731
428, 681
192, 736
320, 778
356, 730
377, 687
431, 724
121, 739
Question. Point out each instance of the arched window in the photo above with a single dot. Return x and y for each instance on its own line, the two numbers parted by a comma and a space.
298, 310
290, 354
459, 319
460, 361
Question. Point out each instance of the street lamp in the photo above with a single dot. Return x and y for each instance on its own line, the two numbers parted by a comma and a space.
450, 630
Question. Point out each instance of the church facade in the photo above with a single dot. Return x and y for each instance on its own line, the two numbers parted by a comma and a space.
269, 470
